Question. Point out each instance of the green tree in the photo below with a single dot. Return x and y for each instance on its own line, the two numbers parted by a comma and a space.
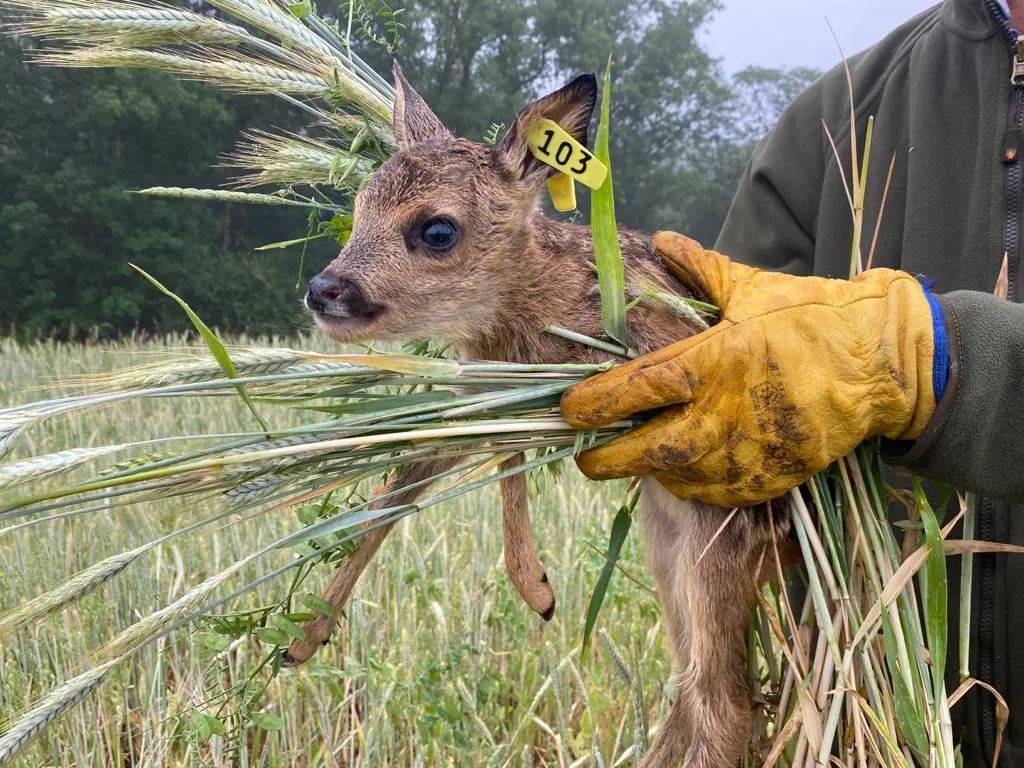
763, 92
73, 145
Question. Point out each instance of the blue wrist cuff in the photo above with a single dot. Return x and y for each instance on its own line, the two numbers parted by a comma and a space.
940, 362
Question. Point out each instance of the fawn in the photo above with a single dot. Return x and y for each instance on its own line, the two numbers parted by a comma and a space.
448, 242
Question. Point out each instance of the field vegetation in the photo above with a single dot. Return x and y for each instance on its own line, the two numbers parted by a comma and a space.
439, 662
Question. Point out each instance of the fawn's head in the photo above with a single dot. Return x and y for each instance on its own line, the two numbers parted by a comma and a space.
440, 232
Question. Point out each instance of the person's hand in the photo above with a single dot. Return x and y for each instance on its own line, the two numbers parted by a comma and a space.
797, 372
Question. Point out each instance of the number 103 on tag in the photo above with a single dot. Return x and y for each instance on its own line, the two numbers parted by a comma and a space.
552, 145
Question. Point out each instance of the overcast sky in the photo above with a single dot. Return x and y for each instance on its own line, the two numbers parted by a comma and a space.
790, 33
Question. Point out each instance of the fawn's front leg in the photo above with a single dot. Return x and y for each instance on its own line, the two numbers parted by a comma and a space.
393, 492
521, 563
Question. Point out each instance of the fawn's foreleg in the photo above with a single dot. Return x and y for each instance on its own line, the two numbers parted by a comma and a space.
521, 563
393, 492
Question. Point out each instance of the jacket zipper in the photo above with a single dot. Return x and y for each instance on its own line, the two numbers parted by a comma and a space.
1011, 158
1012, 146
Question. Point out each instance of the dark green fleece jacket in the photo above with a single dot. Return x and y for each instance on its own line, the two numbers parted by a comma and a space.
945, 108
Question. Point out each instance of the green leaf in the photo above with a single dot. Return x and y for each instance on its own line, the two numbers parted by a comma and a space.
216, 726
307, 513
302, 9
216, 347
201, 726
494, 133
910, 716
339, 227
272, 636
605, 234
216, 642
318, 604
935, 589
267, 722
288, 626
620, 527
299, 616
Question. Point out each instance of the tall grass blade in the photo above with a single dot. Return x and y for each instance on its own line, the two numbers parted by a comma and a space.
215, 345
611, 279
70, 591
232, 196
909, 715
966, 585
58, 701
936, 606
41, 467
620, 529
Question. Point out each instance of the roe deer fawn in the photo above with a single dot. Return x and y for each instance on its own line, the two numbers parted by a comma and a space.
448, 242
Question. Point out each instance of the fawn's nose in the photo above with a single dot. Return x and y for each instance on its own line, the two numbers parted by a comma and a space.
322, 291
337, 296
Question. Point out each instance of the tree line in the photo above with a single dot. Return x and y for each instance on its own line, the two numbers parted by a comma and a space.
74, 144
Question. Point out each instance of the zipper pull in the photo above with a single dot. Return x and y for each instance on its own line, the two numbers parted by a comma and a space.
1012, 142
1017, 75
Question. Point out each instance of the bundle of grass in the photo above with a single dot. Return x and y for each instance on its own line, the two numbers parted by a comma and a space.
853, 675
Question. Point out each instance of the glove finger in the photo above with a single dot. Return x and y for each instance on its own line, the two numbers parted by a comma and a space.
652, 381
672, 442
707, 274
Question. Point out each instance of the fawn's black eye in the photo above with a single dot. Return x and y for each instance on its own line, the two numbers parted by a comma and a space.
440, 235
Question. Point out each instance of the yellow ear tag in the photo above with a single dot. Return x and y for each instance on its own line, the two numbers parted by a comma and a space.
563, 192
552, 145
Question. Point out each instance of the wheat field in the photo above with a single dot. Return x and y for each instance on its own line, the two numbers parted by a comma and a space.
438, 663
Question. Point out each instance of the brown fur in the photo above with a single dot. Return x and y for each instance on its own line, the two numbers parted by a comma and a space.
513, 273
521, 563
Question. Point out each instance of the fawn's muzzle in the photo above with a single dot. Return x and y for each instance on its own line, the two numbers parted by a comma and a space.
339, 297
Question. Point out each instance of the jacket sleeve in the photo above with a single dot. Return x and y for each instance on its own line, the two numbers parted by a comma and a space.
771, 222
975, 439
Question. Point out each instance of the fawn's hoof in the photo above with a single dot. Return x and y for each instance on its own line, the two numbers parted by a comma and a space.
318, 633
539, 596
548, 613
299, 652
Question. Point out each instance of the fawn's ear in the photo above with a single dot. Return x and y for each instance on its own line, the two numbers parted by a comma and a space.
571, 106
412, 120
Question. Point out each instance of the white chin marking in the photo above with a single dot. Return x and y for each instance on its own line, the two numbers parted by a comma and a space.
344, 329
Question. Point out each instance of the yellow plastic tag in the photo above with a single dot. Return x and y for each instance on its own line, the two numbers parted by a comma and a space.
563, 192
552, 145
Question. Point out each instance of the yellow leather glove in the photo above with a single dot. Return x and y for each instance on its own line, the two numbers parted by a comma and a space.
797, 372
